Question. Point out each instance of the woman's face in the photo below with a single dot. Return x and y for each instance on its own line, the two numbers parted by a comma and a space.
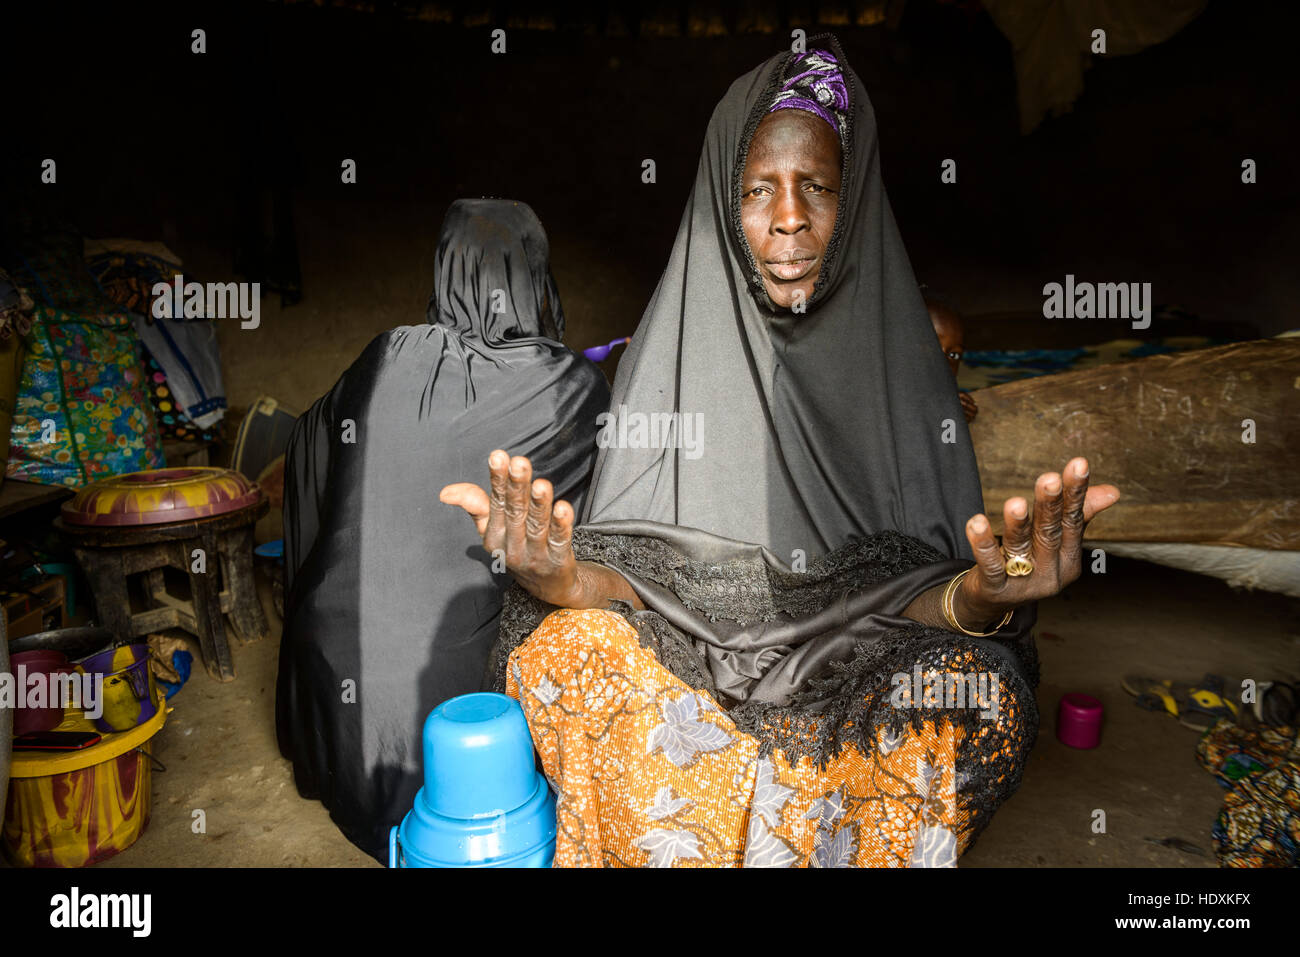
790, 189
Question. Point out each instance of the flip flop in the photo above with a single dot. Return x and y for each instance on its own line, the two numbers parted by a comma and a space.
1197, 706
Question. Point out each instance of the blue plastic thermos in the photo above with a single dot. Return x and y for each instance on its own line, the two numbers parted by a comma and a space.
484, 803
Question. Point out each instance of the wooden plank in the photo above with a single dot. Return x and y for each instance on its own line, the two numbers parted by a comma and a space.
146, 557
155, 587
103, 570
17, 496
205, 594
157, 619
1168, 430
240, 599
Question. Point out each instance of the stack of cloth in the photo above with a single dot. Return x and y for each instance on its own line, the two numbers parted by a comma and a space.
181, 358
15, 308
1259, 825
81, 412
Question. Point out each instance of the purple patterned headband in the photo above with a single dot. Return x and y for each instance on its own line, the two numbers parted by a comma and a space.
816, 85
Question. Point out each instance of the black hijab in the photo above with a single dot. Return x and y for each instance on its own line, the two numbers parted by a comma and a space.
492, 279
816, 427
387, 587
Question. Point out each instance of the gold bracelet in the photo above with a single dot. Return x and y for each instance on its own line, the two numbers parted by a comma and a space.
948, 593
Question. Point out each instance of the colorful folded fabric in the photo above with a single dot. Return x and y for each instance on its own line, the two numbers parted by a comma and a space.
186, 354
173, 423
182, 357
82, 412
1259, 825
129, 276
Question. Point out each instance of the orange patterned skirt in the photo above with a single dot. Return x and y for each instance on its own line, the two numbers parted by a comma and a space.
651, 773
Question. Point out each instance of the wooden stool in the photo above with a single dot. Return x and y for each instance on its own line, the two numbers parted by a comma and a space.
109, 555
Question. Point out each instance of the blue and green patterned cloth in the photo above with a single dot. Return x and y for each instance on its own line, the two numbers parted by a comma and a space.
82, 411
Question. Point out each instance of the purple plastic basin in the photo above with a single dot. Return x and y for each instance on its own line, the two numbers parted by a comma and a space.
127, 686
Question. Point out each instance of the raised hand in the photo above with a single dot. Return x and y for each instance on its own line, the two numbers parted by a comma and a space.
1052, 538
520, 520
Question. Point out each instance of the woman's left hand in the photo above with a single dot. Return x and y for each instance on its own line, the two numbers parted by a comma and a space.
1052, 538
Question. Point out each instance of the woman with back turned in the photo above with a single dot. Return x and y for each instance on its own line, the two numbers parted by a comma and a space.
392, 604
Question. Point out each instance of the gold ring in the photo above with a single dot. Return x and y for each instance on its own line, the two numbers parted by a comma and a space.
1018, 564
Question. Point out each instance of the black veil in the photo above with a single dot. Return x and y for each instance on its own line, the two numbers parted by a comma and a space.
386, 587
818, 427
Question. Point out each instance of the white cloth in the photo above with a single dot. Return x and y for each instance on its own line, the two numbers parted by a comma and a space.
188, 354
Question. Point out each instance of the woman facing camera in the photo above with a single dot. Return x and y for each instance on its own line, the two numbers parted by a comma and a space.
773, 649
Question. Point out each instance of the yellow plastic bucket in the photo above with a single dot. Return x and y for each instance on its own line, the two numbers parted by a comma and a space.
73, 808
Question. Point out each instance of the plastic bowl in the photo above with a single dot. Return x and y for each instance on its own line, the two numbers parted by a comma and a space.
478, 756
128, 688
483, 803
48, 663
159, 496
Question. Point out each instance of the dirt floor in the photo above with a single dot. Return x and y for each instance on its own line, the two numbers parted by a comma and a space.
220, 753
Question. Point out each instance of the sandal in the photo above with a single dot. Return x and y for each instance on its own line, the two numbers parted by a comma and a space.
1276, 704
1197, 706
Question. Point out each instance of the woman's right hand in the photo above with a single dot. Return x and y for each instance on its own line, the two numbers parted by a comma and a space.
1064, 504
520, 523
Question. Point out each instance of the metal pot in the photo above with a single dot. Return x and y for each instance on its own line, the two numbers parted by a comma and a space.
76, 643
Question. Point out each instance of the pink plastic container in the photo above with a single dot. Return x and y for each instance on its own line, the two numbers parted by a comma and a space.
46, 663
1078, 722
